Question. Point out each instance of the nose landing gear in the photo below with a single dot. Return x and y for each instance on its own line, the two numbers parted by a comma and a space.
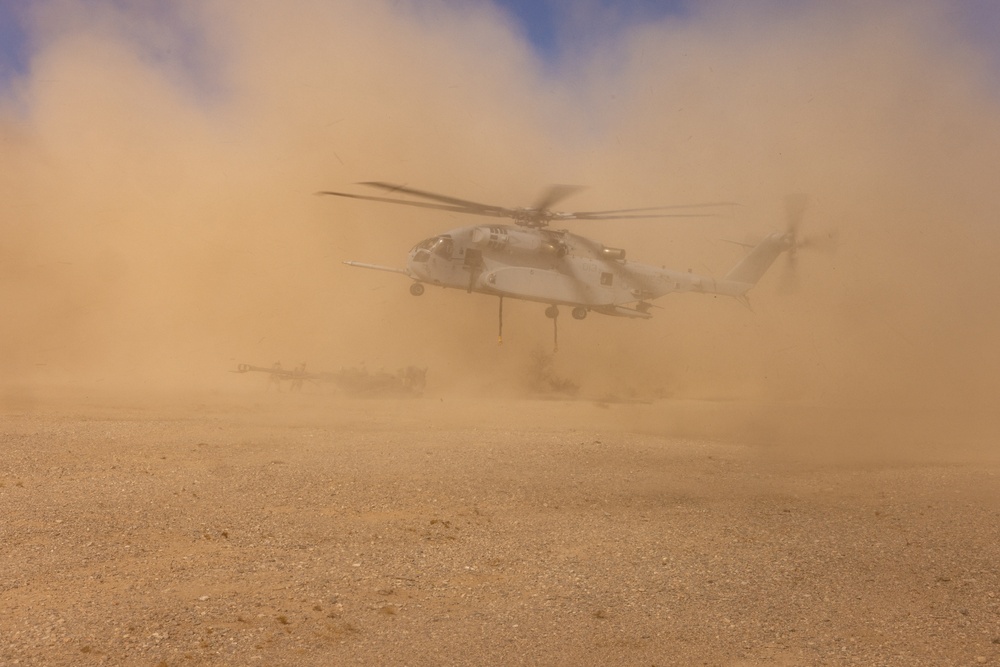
416, 289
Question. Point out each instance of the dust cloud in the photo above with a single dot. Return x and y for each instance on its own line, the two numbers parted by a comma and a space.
159, 224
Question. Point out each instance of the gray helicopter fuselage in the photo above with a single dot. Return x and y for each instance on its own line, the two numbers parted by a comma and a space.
554, 267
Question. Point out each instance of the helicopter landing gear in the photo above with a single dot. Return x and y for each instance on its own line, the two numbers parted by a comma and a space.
416, 289
579, 313
552, 312
500, 330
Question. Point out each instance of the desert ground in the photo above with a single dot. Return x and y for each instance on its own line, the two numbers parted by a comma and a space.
241, 527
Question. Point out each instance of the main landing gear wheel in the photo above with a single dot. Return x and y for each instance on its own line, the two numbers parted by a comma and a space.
552, 312
579, 313
416, 289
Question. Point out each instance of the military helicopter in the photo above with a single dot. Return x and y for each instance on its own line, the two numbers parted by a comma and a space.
532, 262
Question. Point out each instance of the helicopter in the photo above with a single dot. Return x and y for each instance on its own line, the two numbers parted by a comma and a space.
531, 261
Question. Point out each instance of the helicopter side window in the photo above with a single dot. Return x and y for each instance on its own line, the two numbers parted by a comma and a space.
607, 279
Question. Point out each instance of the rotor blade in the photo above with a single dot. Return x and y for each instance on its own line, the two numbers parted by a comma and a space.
553, 194
592, 216
654, 208
418, 204
795, 208
470, 206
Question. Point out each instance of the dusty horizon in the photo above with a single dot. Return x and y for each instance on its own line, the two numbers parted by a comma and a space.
813, 479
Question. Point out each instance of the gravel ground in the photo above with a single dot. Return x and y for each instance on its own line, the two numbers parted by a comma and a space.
317, 530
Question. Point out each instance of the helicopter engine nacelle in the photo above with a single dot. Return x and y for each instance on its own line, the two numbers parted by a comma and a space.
514, 240
612, 253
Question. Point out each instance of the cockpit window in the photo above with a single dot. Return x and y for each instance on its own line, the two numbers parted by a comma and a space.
442, 246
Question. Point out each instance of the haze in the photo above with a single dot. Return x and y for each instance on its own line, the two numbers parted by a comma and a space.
811, 480
159, 223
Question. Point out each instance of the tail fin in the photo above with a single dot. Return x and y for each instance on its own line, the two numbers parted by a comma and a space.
758, 261
745, 275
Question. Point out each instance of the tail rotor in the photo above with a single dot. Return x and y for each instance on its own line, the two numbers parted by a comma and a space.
795, 209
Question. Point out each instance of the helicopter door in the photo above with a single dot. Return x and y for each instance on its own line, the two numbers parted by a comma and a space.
474, 263
473, 258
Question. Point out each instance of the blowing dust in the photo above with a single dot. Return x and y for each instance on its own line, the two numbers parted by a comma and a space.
160, 227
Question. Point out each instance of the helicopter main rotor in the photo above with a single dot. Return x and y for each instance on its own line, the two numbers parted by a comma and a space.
538, 216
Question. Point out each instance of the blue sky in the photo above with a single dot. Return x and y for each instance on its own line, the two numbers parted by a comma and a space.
550, 26
556, 29
13, 49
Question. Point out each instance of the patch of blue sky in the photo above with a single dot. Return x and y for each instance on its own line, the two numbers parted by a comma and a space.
557, 28
979, 21
14, 47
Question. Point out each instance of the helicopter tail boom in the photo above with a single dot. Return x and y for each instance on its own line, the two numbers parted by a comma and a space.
751, 268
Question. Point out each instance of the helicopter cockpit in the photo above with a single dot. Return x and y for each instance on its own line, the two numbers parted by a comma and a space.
442, 246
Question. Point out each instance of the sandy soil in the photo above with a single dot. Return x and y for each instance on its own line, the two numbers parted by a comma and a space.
314, 529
